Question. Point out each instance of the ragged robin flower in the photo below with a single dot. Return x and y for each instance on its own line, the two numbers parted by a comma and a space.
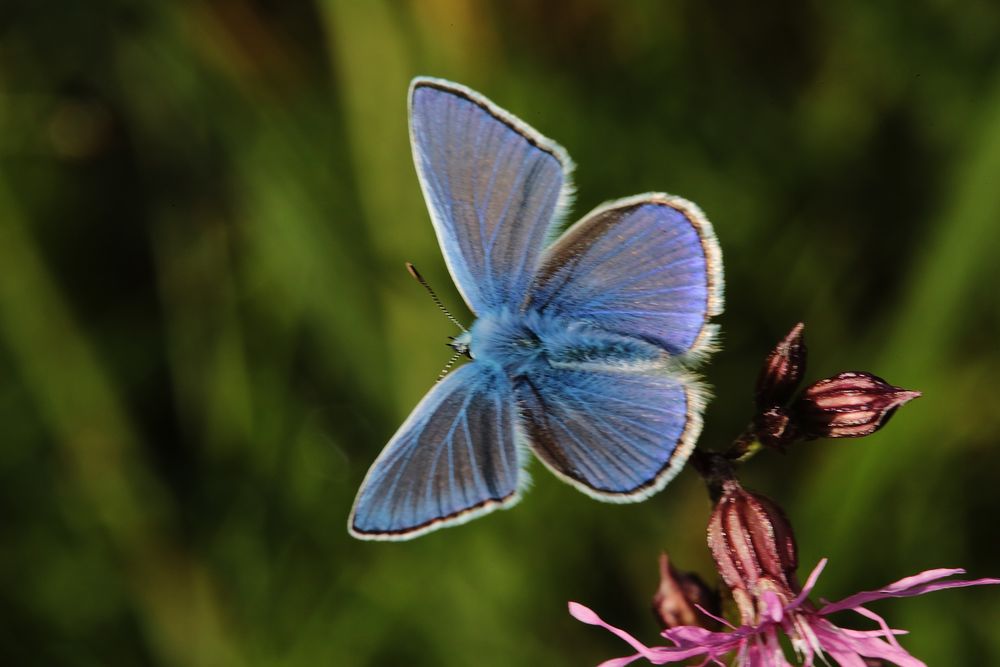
813, 635
755, 553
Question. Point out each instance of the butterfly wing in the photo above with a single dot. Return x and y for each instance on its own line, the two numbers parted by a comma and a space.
493, 186
618, 435
452, 460
646, 266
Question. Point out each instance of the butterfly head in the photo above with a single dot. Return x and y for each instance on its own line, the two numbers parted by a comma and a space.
505, 339
461, 343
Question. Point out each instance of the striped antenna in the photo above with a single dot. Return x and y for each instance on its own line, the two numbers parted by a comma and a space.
447, 366
420, 279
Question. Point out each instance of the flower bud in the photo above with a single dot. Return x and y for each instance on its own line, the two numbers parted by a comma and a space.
774, 428
678, 594
847, 405
753, 547
782, 370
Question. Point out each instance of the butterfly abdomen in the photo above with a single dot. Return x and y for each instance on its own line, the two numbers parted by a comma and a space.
579, 345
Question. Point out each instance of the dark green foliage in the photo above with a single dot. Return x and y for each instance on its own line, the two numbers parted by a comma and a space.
207, 333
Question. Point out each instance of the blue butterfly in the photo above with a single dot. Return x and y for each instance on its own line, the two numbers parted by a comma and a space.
580, 349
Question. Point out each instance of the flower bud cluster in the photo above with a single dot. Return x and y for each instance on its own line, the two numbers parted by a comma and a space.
851, 404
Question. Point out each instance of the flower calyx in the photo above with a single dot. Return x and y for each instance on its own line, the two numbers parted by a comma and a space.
754, 549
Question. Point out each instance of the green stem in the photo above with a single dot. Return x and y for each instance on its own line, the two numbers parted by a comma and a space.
744, 447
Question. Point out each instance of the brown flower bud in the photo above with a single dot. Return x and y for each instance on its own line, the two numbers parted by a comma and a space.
782, 370
847, 405
753, 547
676, 597
774, 428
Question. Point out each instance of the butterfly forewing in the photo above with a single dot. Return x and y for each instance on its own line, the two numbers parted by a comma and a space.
492, 186
646, 266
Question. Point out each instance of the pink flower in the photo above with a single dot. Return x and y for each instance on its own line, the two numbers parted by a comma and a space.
811, 633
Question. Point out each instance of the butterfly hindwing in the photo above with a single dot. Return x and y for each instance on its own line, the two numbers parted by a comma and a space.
453, 459
493, 186
616, 434
647, 266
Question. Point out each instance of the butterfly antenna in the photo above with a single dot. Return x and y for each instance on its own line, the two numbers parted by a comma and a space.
420, 279
447, 366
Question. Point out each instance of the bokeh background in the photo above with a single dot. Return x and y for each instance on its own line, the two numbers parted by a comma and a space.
207, 334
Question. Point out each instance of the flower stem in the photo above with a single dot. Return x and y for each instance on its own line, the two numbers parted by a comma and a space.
716, 467
745, 446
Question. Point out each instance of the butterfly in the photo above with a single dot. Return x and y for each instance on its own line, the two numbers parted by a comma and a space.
581, 345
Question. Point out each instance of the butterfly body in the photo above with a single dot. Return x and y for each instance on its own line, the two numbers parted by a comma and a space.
520, 343
580, 346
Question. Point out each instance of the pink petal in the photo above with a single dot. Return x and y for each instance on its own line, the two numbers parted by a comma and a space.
584, 614
908, 587
940, 586
689, 636
581, 613
849, 649
774, 650
846, 658
810, 584
773, 608
683, 635
620, 662
764, 652
886, 630
872, 633
713, 660
876, 648
804, 640
691, 641
924, 577
717, 619
712, 646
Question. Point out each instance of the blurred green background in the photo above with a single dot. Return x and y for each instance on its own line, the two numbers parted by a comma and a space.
207, 334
